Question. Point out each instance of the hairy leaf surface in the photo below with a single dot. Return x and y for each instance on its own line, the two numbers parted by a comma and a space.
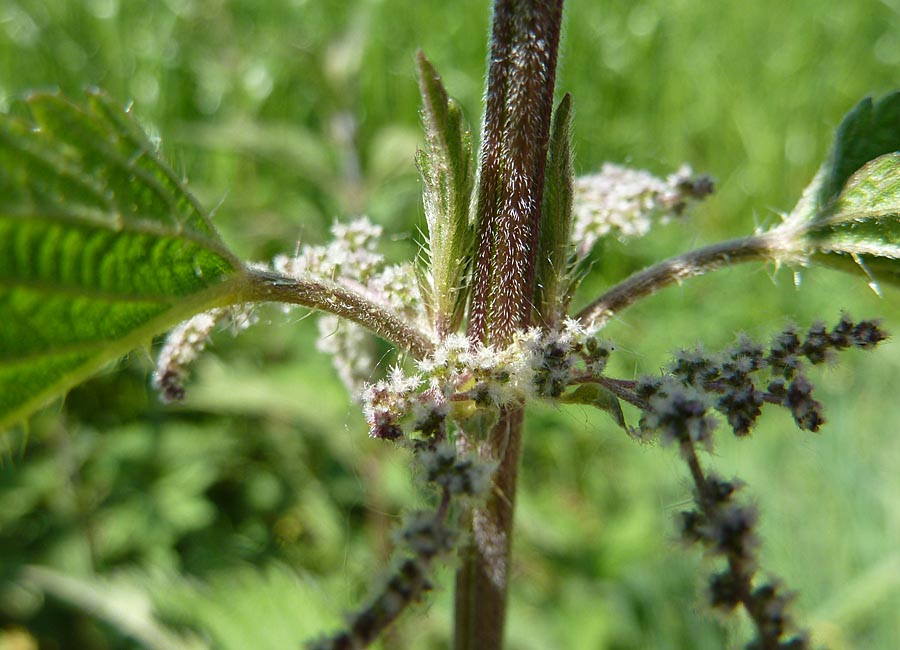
448, 173
101, 247
870, 130
849, 216
862, 228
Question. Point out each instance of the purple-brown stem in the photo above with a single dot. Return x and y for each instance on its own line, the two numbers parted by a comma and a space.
521, 78
482, 579
518, 108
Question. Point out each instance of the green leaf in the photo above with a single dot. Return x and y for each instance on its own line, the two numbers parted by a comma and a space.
599, 397
101, 247
554, 275
849, 216
861, 229
447, 170
870, 130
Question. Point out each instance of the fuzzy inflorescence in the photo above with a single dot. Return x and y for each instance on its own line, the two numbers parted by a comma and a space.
726, 527
352, 259
679, 407
187, 341
625, 202
738, 382
424, 537
462, 377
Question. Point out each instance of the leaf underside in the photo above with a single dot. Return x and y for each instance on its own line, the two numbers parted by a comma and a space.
850, 214
862, 228
101, 247
599, 397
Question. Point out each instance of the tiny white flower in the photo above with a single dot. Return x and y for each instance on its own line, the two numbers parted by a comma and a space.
622, 201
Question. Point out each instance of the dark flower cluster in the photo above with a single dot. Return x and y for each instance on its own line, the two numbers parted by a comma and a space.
425, 536
408, 583
727, 529
551, 377
460, 475
738, 382
677, 413
556, 357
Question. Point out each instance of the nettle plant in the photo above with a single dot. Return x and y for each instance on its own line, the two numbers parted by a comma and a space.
103, 247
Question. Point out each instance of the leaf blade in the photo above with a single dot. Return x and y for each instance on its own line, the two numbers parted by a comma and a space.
861, 229
555, 277
447, 171
870, 130
849, 216
101, 247
595, 395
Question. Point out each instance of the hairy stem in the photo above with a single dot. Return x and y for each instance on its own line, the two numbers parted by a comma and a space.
481, 582
521, 79
770, 246
519, 104
264, 286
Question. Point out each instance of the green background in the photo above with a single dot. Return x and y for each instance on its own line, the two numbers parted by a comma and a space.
258, 511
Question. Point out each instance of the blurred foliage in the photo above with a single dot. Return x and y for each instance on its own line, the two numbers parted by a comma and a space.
261, 501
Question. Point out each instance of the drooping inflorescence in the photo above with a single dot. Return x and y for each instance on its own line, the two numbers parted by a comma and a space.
726, 527
187, 341
424, 537
679, 407
353, 260
625, 202
741, 380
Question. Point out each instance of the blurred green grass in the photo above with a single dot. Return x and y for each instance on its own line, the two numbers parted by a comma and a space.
290, 113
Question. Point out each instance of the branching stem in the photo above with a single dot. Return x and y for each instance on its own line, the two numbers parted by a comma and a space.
265, 286
771, 246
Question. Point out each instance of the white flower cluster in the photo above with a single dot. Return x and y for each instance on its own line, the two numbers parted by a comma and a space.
351, 254
624, 202
185, 343
460, 378
351, 347
352, 260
